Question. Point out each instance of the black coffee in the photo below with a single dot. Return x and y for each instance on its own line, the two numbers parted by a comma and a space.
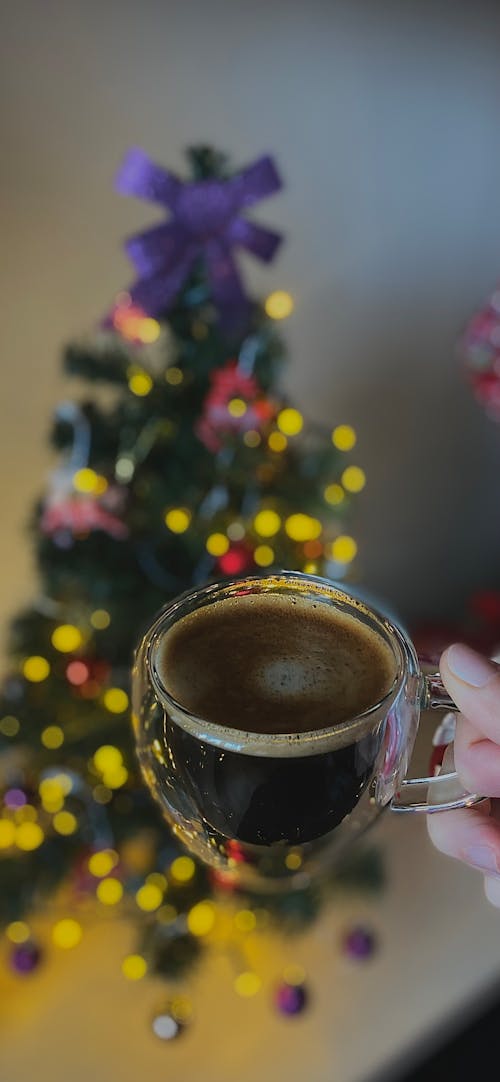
273, 663
270, 663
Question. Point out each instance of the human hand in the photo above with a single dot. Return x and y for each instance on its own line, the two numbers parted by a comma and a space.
473, 834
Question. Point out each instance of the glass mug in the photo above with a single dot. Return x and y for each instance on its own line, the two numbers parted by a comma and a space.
281, 808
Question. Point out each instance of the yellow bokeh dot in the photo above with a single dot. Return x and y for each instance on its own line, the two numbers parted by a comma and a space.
140, 383
201, 918
7, 833
18, 931
344, 549
181, 1008
263, 555
183, 869
343, 437
237, 407
65, 822
115, 700
26, 814
293, 861
36, 669
85, 480
101, 794
114, 779
217, 544
102, 862
107, 758
51, 794
300, 527
247, 984
279, 304
334, 494
66, 638
134, 966
251, 438
290, 421
109, 891
29, 836
52, 737
267, 523
157, 879
294, 974
354, 478
149, 330
245, 920
67, 933
149, 897
174, 375
100, 619
166, 914
277, 442
310, 568
178, 519
9, 725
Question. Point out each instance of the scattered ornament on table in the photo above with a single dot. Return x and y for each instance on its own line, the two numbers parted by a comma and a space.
25, 958
359, 943
291, 998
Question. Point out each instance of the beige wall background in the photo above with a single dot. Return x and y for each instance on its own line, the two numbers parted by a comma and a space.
384, 121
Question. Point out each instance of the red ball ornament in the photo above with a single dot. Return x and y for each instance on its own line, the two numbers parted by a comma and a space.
236, 560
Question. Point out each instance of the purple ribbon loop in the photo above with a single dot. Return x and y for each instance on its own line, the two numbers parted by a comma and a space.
205, 221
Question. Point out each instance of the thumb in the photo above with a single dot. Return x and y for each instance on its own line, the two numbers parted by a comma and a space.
473, 682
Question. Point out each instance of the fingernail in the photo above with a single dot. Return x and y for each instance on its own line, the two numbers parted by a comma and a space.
472, 668
483, 857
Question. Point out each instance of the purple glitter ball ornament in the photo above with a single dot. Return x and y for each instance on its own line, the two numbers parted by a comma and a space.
291, 998
25, 958
360, 943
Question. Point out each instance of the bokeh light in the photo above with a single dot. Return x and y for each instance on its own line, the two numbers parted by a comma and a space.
149, 897
344, 549
9, 725
247, 984
236, 407
134, 967
100, 619
279, 305
102, 862
66, 638
300, 527
7, 833
217, 544
263, 555
201, 918
36, 669
52, 737
140, 382
343, 437
334, 494
18, 931
29, 836
116, 700
267, 523
174, 375
183, 869
290, 421
178, 519
109, 891
353, 479
64, 822
67, 933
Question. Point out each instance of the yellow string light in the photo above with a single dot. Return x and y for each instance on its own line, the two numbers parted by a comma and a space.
344, 549
300, 527
140, 382
107, 759
166, 914
149, 330
247, 984
267, 523
310, 568
178, 519
36, 669
293, 861
26, 814
134, 967
263, 555
334, 494
237, 407
100, 619
343, 437
251, 438
9, 725
64, 822
217, 544
277, 442
52, 737
353, 478
174, 375
279, 305
201, 918
18, 931
109, 891
88, 481
29, 836
290, 421
245, 920
51, 795
7, 833
149, 897
102, 862
157, 880
116, 700
66, 638
67, 933
114, 779
183, 869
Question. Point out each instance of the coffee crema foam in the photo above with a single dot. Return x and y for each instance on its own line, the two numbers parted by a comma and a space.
274, 663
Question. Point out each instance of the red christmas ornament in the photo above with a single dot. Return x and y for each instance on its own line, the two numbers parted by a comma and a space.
219, 419
237, 559
80, 514
480, 351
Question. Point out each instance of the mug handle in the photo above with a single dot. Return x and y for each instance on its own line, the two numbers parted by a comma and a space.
446, 790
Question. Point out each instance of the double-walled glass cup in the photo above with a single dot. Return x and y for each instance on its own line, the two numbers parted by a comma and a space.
278, 808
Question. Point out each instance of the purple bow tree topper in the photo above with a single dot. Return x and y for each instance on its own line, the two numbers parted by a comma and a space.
205, 220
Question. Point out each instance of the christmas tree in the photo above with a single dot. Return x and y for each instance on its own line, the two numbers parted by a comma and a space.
183, 463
